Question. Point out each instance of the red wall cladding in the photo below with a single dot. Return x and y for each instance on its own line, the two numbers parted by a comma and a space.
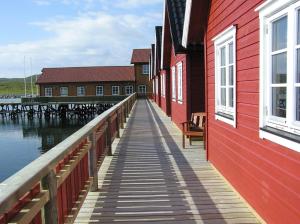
265, 174
163, 96
179, 111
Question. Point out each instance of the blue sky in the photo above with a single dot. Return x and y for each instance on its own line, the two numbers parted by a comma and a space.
55, 33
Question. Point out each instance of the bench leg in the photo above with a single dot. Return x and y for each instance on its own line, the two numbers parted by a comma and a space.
190, 138
183, 141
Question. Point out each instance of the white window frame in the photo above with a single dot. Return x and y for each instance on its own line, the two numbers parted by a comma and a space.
162, 78
115, 90
144, 87
80, 90
153, 86
128, 90
164, 85
145, 69
64, 91
226, 113
269, 12
173, 77
99, 90
156, 85
48, 91
179, 82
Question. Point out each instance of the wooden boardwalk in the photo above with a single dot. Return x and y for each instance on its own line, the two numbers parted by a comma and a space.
151, 179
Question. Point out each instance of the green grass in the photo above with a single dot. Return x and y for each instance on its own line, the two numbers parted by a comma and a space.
15, 86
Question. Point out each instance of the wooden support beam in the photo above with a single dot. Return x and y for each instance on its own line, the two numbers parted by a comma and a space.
31, 209
93, 161
121, 117
82, 195
68, 168
118, 124
50, 210
109, 137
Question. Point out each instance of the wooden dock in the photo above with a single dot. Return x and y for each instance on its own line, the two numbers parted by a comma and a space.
151, 179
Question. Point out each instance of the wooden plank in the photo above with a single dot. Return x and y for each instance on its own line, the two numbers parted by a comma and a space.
75, 210
70, 166
31, 209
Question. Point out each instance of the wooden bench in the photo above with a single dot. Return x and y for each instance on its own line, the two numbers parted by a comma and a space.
194, 128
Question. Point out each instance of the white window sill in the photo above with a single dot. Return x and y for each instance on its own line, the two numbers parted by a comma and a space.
179, 102
279, 140
174, 100
226, 120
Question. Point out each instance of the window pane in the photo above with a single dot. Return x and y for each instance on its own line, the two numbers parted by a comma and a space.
230, 97
223, 76
279, 68
230, 53
223, 96
298, 30
223, 55
231, 75
298, 66
279, 101
298, 103
279, 34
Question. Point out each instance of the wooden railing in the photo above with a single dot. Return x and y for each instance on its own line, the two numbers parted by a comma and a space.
52, 188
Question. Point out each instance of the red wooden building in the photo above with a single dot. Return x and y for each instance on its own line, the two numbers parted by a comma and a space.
152, 74
179, 70
252, 97
140, 60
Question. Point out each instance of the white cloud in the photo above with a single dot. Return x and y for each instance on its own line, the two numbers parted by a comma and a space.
93, 38
136, 3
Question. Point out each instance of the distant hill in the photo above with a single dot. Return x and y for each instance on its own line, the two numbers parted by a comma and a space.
15, 86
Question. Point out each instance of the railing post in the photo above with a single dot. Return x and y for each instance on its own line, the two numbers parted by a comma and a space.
127, 109
108, 136
122, 117
118, 124
49, 183
93, 161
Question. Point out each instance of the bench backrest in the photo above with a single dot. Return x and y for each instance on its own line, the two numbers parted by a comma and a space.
199, 119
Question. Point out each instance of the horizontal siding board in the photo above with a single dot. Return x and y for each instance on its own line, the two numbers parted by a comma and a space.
276, 174
263, 194
265, 173
248, 86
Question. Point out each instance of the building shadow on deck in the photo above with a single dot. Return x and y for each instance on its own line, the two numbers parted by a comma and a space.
146, 183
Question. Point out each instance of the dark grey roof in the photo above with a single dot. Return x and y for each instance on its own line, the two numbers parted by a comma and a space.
158, 31
176, 11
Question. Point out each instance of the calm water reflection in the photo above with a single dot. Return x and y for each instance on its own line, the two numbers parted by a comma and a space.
23, 140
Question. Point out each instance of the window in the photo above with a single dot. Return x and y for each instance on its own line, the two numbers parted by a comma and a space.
225, 76
173, 70
99, 91
48, 91
156, 86
153, 86
50, 140
128, 90
162, 84
115, 90
80, 91
142, 89
179, 82
145, 69
280, 72
64, 91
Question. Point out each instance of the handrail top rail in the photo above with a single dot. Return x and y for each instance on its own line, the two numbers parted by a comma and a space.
14, 187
